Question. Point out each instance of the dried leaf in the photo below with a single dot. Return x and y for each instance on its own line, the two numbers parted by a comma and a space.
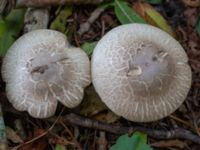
93, 106
126, 14
92, 103
13, 136
63, 141
107, 116
39, 144
192, 3
152, 16
169, 143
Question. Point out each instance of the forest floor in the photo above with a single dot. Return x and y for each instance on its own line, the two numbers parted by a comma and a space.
72, 129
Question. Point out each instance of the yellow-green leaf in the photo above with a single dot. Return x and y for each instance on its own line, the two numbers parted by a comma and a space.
59, 23
60, 147
10, 28
153, 17
159, 20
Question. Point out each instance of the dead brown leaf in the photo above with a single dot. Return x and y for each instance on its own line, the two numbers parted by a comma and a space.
93, 106
152, 16
13, 136
39, 144
192, 3
92, 103
107, 116
169, 143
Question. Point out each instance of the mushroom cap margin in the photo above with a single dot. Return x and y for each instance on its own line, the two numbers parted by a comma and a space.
114, 88
14, 72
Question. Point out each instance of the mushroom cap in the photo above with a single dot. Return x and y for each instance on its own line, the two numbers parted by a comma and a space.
140, 72
40, 69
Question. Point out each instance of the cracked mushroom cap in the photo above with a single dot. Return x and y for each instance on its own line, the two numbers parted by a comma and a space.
40, 69
140, 72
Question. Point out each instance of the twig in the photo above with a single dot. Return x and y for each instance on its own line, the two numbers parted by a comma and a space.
86, 25
179, 133
45, 3
7, 5
72, 136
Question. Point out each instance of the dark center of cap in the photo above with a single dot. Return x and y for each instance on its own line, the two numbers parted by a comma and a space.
45, 67
150, 69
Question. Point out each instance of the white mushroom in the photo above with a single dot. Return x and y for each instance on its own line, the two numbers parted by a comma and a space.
140, 72
41, 68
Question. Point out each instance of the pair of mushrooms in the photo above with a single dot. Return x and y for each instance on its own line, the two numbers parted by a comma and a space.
140, 72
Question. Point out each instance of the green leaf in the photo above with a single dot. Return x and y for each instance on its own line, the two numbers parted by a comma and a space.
59, 23
154, 1
126, 14
197, 26
106, 5
60, 147
89, 47
138, 141
10, 28
2, 129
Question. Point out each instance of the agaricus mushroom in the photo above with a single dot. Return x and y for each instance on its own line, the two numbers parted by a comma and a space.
40, 69
140, 72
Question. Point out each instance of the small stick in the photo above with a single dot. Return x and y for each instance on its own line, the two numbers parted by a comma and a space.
179, 133
102, 142
7, 5
86, 25
45, 3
